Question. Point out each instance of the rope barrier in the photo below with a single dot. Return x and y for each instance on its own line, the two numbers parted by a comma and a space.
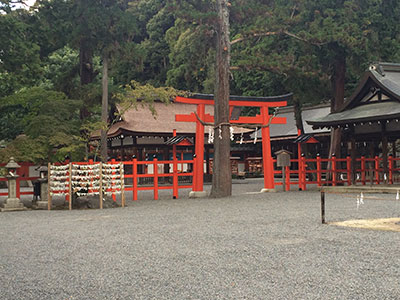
250, 126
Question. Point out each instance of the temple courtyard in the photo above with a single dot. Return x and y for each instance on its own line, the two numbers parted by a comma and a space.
248, 246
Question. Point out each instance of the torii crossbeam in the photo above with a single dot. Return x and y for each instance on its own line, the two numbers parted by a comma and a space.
263, 120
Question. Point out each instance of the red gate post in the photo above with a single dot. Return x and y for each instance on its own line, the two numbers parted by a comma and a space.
268, 164
134, 179
303, 173
348, 166
319, 181
18, 187
334, 170
199, 150
155, 174
390, 169
287, 178
174, 170
299, 162
363, 170
377, 170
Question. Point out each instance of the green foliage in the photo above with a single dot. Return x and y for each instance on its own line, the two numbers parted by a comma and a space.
61, 70
49, 121
279, 46
136, 94
19, 54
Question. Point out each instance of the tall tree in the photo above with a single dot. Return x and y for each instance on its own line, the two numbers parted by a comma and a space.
222, 173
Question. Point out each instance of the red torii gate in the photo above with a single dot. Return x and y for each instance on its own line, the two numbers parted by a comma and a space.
263, 119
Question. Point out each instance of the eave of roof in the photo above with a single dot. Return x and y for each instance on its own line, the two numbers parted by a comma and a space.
245, 98
385, 76
370, 112
382, 77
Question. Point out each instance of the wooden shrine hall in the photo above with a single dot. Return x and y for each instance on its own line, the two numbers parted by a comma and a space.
370, 118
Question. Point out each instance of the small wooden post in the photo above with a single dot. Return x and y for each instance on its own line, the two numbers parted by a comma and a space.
101, 186
155, 174
70, 186
322, 207
122, 184
48, 187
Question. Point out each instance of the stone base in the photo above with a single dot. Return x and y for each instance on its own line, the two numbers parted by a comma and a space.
13, 204
197, 194
268, 191
41, 205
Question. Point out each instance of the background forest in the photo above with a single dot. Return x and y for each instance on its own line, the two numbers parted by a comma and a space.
52, 58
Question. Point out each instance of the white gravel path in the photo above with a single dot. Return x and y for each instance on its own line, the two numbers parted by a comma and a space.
248, 246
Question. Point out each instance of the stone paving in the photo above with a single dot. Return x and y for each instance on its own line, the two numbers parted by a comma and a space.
248, 246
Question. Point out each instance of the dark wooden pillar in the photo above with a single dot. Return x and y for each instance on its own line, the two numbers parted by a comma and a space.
394, 153
140, 158
370, 163
385, 152
166, 157
385, 156
122, 154
353, 155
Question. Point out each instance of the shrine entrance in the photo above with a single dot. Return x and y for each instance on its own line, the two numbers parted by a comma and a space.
261, 120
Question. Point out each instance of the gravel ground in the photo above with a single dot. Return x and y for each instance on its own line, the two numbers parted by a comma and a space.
248, 246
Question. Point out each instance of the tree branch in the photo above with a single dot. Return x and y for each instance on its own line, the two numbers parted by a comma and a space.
280, 32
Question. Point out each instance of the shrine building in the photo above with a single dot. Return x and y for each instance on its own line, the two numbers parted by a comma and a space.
370, 119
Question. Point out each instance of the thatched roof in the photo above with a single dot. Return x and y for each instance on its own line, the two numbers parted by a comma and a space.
141, 121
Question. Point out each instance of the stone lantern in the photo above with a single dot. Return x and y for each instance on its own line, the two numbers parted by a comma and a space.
12, 203
43, 182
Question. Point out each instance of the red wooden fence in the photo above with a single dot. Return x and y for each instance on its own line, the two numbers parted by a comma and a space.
23, 174
315, 171
303, 172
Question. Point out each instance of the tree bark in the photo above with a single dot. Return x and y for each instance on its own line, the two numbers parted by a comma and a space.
104, 111
338, 81
222, 172
86, 71
297, 114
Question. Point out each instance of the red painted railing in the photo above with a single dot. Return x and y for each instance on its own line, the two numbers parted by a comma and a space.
154, 183
308, 171
23, 174
141, 178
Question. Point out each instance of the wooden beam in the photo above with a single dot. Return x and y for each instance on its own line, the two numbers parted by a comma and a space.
232, 102
242, 120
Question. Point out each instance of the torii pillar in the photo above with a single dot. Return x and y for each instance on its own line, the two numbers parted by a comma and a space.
263, 119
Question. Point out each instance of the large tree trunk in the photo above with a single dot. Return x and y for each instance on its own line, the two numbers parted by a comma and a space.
338, 81
297, 114
86, 71
222, 173
104, 111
